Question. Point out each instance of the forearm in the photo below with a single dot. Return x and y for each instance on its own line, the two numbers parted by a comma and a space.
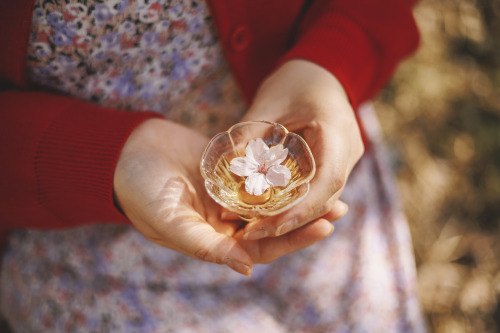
360, 42
58, 156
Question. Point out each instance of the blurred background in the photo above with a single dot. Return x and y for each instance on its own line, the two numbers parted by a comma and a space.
441, 118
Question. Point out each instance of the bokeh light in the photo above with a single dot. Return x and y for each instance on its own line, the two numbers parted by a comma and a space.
441, 117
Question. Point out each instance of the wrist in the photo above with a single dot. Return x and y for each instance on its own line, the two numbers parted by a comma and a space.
299, 86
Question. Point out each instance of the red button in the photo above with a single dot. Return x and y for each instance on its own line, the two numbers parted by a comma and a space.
240, 38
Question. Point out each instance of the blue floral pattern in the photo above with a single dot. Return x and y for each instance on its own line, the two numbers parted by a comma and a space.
136, 55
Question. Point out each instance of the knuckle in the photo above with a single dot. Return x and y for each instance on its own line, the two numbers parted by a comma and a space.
268, 260
310, 213
336, 184
322, 207
204, 255
327, 206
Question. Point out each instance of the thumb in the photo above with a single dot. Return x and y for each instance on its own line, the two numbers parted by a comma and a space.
211, 246
198, 239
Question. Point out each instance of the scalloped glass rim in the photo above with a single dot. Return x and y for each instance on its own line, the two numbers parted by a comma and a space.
229, 144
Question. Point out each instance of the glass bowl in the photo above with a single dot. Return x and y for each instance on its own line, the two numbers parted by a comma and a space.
227, 188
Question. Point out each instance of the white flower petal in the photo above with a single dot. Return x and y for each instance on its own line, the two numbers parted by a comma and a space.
243, 166
276, 155
278, 175
256, 184
256, 150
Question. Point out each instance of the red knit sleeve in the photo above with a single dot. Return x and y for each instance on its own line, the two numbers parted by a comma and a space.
360, 42
57, 154
57, 158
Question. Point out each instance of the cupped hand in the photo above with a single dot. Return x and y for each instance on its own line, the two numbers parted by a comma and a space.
158, 185
310, 101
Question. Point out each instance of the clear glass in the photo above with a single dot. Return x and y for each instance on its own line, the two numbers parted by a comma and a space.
226, 188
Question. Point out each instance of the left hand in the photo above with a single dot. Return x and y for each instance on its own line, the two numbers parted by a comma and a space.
310, 101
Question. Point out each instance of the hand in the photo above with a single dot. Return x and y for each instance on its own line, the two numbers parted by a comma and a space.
158, 185
309, 100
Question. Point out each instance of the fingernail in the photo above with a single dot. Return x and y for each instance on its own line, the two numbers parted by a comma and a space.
238, 266
287, 226
256, 234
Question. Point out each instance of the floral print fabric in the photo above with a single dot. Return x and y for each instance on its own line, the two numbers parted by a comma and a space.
159, 55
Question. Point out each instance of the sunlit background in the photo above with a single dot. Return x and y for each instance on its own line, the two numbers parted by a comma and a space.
441, 117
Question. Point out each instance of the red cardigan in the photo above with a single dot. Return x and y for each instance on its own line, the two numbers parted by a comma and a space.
57, 154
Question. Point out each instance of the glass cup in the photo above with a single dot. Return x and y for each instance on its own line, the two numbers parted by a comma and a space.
227, 188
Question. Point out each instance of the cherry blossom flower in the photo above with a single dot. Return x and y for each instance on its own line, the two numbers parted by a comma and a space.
262, 166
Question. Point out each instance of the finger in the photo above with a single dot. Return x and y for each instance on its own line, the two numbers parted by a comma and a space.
321, 200
269, 249
211, 246
188, 233
214, 218
228, 215
326, 187
338, 211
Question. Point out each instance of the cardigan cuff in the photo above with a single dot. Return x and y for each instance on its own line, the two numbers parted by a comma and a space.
352, 60
361, 49
76, 159
58, 160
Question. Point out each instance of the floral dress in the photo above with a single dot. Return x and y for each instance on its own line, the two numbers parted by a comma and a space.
163, 55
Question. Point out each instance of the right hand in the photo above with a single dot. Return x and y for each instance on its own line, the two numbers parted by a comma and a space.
310, 101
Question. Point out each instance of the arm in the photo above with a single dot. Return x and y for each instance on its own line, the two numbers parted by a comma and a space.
360, 42
58, 157
57, 154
